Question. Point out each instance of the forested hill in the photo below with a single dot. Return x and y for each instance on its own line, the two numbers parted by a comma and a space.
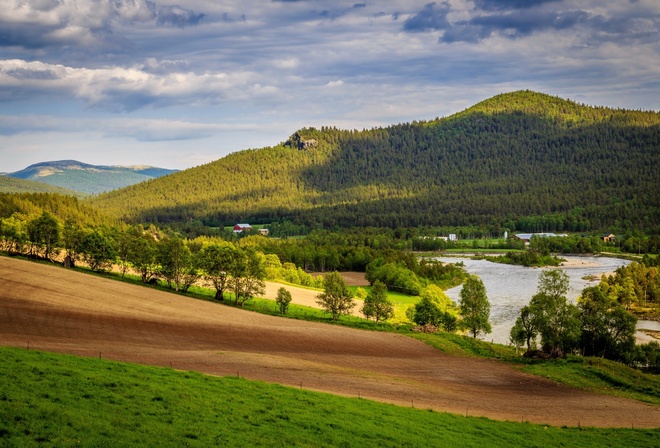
522, 160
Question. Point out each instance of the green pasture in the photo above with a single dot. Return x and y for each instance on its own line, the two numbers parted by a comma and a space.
60, 400
400, 301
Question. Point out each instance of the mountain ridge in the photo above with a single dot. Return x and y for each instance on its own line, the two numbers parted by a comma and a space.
523, 160
86, 178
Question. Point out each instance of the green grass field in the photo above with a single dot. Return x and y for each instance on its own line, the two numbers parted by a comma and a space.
60, 400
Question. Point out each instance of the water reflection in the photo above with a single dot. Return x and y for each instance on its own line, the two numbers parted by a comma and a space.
509, 287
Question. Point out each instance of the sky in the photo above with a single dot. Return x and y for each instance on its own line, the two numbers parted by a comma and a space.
176, 83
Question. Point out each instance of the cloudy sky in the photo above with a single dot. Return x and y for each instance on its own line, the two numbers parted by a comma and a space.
178, 83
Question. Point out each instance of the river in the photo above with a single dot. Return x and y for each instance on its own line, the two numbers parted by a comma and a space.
510, 287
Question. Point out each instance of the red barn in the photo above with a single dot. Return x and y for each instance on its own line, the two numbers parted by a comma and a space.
238, 228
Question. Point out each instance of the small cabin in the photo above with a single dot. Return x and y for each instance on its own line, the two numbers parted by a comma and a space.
238, 228
608, 237
263, 232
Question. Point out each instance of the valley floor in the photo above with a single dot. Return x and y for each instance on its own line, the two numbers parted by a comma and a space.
53, 309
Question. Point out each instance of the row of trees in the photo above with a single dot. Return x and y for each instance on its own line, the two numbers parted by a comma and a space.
434, 310
150, 253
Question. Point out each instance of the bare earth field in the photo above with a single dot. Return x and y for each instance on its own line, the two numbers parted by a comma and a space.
58, 310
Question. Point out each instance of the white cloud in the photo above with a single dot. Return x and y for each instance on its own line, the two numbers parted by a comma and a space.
125, 88
288, 63
337, 83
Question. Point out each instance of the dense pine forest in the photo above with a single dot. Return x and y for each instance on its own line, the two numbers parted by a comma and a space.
520, 161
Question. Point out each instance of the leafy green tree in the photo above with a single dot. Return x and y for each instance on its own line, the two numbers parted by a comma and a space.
434, 308
44, 233
437, 296
336, 298
557, 320
608, 330
14, 234
72, 235
396, 276
525, 329
176, 262
426, 311
651, 356
247, 270
283, 299
376, 305
474, 307
216, 261
124, 241
142, 253
97, 251
361, 293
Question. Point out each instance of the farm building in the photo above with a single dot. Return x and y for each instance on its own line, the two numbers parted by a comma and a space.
526, 237
238, 228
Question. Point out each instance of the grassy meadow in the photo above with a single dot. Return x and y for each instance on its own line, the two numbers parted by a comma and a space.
61, 400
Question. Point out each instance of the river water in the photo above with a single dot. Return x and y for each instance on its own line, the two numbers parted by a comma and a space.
510, 287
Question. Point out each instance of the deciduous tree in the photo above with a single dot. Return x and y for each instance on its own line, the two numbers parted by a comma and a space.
474, 307
44, 233
336, 298
283, 299
97, 251
376, 305
216, 261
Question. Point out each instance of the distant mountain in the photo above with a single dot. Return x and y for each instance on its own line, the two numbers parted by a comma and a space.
523, 161
15, 185
89, 179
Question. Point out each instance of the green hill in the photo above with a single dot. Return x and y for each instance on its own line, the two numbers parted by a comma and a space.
522, 160
89, 179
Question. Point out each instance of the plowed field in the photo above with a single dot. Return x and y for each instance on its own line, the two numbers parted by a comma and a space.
58, 310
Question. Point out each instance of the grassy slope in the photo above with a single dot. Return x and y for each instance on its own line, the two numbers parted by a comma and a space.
58, 400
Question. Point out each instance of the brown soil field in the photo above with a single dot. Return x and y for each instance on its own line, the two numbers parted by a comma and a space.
54, 309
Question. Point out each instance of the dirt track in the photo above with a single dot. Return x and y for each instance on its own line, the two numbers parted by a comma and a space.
59, 310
